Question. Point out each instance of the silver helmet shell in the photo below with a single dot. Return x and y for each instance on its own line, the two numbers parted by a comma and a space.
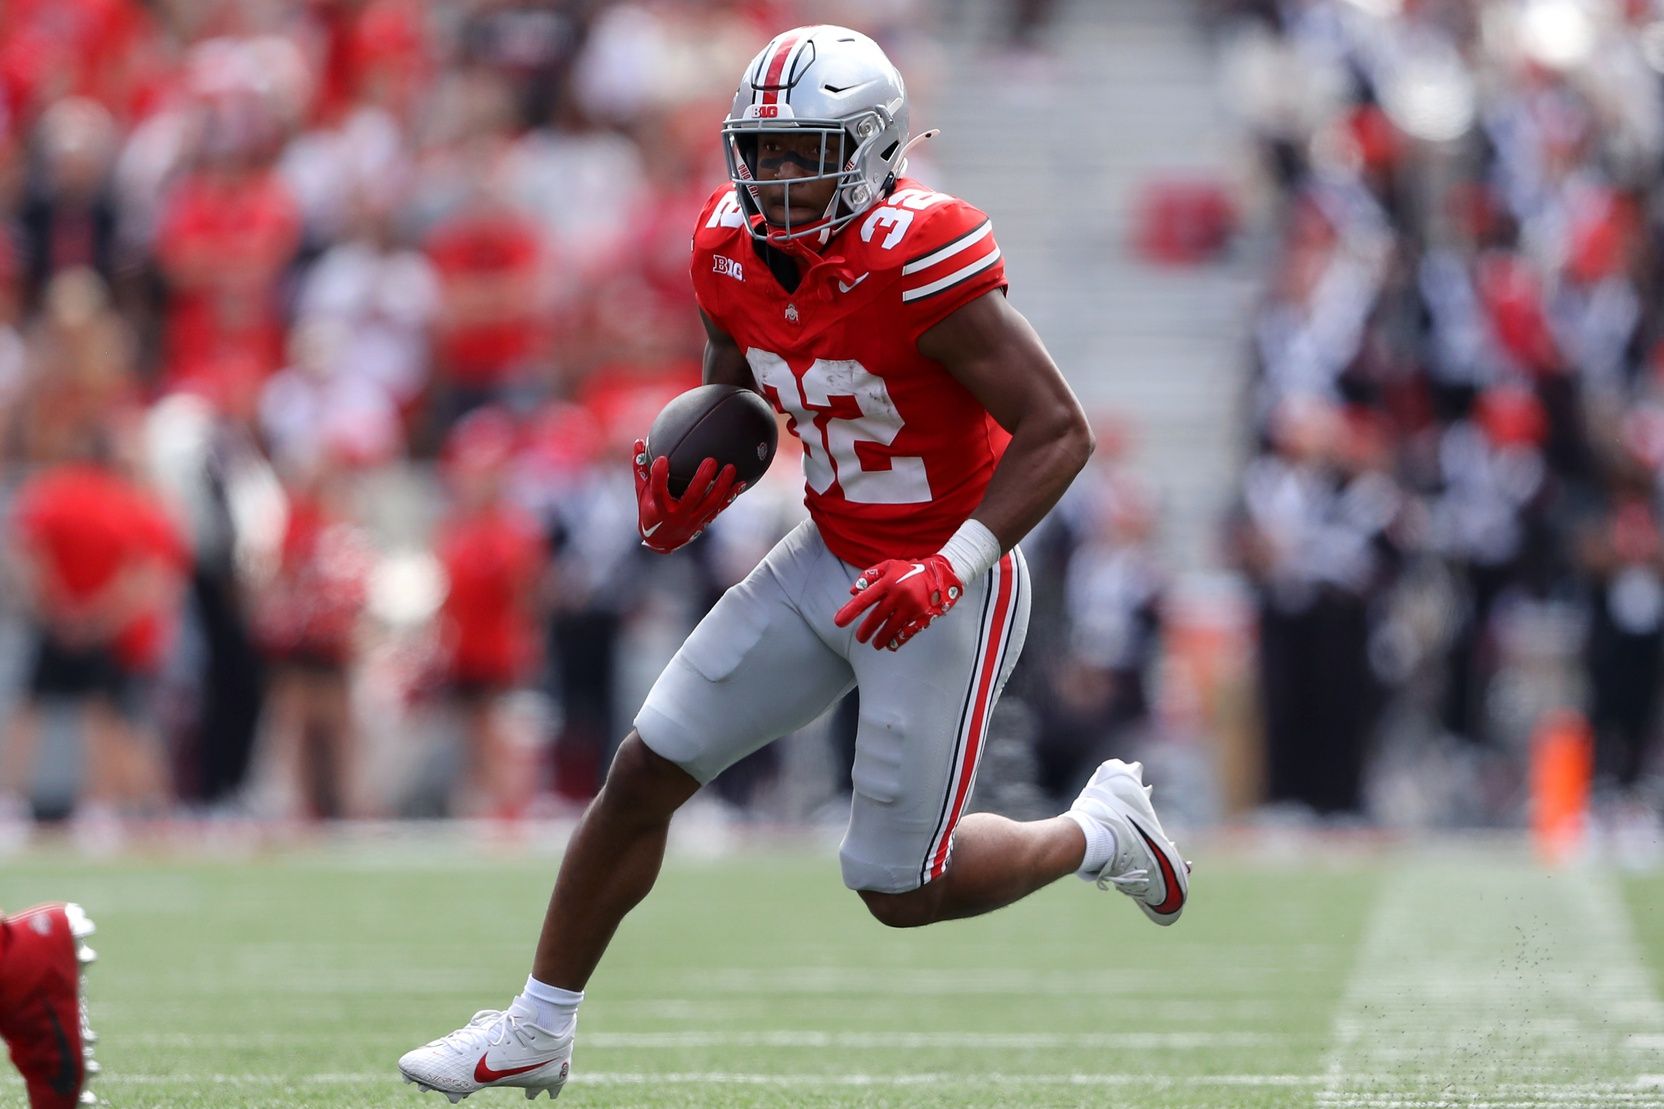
829, 81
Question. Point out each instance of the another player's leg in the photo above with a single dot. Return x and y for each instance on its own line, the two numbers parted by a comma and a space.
43, 1017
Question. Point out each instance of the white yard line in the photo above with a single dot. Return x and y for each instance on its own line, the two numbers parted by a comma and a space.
780, 1038
1481, 980
1213, 979
741, 1078
1558, 1094
1209, 982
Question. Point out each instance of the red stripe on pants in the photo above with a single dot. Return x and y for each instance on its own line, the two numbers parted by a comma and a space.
979, 712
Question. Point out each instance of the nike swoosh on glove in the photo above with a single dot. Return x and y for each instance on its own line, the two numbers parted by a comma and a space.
666, 523
904, 596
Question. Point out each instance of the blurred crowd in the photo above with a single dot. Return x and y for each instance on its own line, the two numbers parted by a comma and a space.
324, 328
1451, 516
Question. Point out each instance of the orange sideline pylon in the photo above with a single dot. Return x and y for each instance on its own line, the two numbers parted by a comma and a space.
1562, 763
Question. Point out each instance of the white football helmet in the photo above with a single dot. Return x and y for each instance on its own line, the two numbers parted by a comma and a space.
827, 81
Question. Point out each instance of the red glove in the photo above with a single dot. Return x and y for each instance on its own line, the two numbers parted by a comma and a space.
666, 523
905, 597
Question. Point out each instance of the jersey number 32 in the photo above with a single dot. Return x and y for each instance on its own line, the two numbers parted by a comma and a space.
845, 418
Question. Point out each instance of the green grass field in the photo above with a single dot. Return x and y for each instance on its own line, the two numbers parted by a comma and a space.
1442, 975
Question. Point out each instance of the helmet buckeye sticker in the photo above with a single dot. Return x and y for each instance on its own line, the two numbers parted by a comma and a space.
778, 69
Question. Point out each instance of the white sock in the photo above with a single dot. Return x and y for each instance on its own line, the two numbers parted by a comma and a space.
1100, 845
548, 1007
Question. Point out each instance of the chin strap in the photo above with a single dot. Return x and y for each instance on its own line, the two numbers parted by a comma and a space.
901, 159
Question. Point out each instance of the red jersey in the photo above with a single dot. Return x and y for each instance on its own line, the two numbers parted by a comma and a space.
225, 242
482, 246
89, 526
492, 558
896, 453
75, 519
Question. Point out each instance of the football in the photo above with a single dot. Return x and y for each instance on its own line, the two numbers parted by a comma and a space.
725, 422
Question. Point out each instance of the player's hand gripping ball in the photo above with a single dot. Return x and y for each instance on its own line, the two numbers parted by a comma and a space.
904, 596
667, 522
702, 451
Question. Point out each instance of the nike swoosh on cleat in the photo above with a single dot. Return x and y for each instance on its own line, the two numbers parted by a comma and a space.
1170, 881
483, 1073
64, 1082
647, 533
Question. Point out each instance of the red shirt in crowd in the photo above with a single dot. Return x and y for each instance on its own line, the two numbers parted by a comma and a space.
223, 243
492, 558
377, 51
109, 50
487, 263
87, 526
71, 518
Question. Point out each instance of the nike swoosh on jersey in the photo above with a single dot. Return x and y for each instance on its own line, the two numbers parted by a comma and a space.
842, 288
483, 1073
918, 568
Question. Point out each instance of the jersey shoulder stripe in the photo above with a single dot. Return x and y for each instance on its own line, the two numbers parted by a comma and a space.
942, 254
953, 247
958, 276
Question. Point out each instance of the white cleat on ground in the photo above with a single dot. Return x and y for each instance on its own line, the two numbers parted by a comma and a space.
1146, 865
494, 1049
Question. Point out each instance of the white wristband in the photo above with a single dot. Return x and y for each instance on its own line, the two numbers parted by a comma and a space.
971, 551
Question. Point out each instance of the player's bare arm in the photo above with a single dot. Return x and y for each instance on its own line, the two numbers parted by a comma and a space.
725, 363
991, 350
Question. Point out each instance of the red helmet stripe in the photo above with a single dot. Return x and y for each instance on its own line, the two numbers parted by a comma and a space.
777, 65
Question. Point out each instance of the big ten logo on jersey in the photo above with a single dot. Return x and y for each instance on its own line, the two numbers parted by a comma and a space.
720, 264
896, 214
727, 213
845, 418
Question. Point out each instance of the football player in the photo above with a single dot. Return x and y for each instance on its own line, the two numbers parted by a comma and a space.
42, 1018
869, 309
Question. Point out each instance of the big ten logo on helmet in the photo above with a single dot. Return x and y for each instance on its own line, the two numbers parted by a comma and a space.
733, 269
769, 111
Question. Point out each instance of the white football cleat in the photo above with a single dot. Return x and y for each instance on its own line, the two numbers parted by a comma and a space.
494, 1049
1146, 865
